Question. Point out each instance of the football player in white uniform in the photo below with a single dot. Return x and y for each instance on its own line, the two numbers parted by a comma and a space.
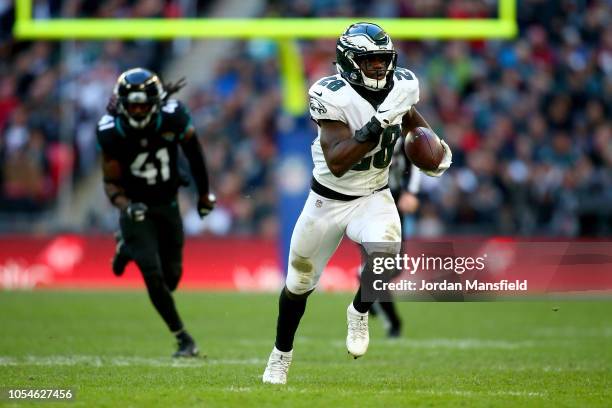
360, 112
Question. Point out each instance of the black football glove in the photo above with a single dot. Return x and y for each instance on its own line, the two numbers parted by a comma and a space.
206, 204
137, 211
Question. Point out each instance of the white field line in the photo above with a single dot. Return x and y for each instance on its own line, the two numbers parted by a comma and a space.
457, 344
433, 343
500, 393
122, 361
570, 332
399, 391
127, 361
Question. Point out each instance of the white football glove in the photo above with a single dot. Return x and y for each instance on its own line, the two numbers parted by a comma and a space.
399, 101
444, 164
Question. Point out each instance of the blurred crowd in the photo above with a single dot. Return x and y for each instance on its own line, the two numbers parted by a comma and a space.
52, 94
528, 119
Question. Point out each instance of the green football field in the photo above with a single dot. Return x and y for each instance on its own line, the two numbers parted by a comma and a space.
113, 350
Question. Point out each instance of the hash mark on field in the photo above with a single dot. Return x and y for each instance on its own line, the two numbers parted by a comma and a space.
97, 361
500, 393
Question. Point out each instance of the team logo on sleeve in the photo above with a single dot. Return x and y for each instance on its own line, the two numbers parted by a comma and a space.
316, 106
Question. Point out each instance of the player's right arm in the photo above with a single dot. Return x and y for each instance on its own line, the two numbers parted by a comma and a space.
111, 167
341, 147
111, 172
341, 150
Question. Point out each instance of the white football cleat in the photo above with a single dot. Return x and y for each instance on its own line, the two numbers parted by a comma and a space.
278, 367
358, 336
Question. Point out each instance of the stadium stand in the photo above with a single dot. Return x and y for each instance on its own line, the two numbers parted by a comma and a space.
528, 120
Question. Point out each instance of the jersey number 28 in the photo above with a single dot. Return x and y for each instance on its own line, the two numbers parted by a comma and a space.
382, 158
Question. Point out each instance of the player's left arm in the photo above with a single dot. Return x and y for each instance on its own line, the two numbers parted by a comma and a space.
413, 119
197, 163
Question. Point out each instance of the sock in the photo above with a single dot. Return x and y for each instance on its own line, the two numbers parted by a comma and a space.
390, 312
182, 335
290, 310
284, 353
162, 300
361, 307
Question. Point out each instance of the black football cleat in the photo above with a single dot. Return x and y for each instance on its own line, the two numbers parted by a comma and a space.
186, 348
121, 257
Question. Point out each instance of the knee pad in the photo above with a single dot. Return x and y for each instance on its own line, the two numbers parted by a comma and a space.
301, 275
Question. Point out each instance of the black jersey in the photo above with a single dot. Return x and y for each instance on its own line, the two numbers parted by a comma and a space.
148, 157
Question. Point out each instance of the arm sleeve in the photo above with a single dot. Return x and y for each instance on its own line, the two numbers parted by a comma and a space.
197, 163
413, 179
103, 143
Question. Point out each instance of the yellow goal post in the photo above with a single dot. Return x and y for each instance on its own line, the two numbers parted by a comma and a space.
284, 30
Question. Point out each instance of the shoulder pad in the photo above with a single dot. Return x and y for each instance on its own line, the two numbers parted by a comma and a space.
174, 107
402, 74
107, 133
176, 115
332, 89
327, 98
107, 126
408, 80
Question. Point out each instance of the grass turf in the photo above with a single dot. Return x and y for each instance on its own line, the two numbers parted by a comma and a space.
114, 351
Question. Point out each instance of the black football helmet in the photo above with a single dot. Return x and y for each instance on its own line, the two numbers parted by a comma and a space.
358, 42
140, 94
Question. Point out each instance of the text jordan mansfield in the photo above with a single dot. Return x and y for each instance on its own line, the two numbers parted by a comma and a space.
407, 285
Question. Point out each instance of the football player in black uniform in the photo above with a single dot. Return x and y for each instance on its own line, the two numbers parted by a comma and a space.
139, 140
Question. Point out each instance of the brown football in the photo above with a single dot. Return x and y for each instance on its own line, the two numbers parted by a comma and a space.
423, 148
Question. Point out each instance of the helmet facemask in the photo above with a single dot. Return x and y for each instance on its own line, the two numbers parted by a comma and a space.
138, 109
374, 69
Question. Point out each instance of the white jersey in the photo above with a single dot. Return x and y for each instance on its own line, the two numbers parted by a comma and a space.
333, 98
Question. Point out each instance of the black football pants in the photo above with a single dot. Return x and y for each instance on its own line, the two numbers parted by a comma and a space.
156, 245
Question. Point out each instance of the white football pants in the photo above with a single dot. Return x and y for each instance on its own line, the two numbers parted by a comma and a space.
322, 224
